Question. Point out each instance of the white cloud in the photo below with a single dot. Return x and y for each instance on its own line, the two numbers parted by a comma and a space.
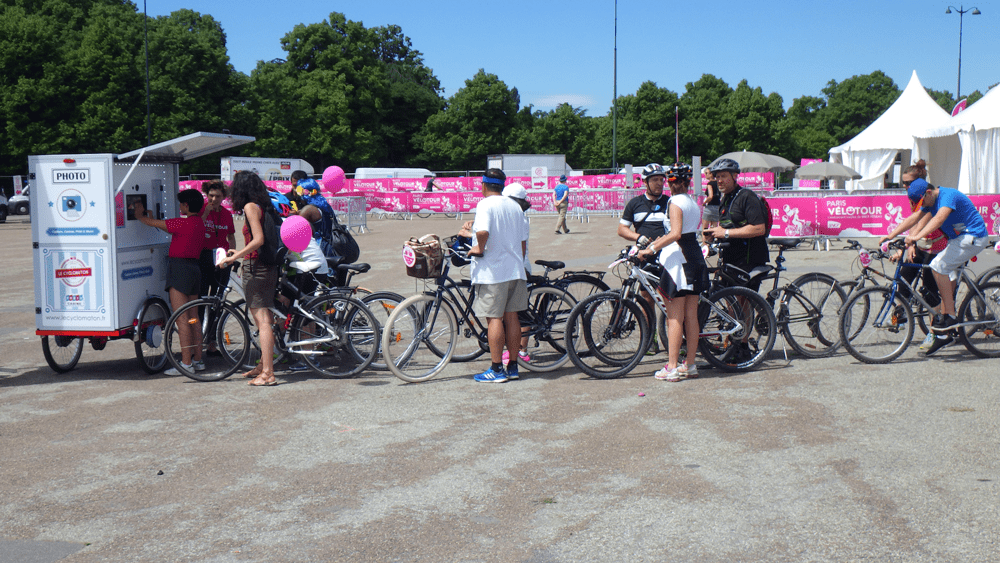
553, 100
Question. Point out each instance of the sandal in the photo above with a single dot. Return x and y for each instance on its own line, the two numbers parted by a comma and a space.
258, 382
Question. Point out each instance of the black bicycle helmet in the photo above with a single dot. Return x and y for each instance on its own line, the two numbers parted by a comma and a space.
726, 165
679, 171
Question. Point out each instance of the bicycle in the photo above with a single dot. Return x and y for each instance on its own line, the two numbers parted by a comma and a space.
423, 332
335, 334
807, 309
470, 345
738, 326
870, 276
876, 324
379, 303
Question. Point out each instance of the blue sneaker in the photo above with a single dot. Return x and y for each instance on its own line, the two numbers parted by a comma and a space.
511, 371
490, 376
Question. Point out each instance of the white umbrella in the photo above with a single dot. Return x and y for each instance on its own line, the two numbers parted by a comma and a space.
827, 171
751, 161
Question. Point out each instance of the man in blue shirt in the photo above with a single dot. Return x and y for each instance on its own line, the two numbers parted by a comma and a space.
953, 212
560, 198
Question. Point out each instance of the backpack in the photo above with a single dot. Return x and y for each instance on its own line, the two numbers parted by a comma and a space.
341, 243
281, 203
765, 208
270, 252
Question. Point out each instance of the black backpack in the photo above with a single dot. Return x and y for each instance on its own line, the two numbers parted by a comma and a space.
341, 243
270, 253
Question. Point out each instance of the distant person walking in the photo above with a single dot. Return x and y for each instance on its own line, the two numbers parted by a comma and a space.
560, 198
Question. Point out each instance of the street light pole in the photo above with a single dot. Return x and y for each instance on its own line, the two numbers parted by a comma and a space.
614, 103
961, 16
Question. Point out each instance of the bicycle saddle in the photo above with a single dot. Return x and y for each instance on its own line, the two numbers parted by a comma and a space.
358, 268
785, 243
552, 265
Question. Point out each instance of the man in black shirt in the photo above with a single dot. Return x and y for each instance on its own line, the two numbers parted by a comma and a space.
742, 222
642, 220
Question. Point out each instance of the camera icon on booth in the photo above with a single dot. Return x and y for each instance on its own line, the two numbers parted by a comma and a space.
71, 205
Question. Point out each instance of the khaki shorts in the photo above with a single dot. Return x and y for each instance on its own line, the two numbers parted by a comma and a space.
960, 250
495, 299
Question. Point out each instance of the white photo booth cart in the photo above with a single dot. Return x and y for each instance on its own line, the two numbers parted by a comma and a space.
99, 272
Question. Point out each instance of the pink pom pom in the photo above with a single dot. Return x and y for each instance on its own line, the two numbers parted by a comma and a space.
333, 179
296, 233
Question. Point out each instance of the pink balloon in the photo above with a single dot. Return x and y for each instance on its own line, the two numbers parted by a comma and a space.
296, 233
333, 179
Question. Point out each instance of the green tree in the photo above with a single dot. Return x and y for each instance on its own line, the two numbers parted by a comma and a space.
564, 130
645, 128
800, 127
855, 103
475, 122
755, 120
705, 123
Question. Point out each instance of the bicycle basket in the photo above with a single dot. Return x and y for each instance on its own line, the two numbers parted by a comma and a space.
423, 257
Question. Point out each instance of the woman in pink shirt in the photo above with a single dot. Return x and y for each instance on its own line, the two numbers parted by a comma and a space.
219, 233
183, 273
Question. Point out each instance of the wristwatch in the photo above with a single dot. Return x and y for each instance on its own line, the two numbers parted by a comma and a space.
727, 233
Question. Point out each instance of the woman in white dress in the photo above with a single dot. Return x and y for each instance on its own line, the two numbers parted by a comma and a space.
685, 273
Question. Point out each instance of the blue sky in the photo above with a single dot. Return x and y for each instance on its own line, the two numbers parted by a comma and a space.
555, 52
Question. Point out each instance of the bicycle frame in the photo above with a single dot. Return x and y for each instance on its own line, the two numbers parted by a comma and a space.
916, 296
646, 279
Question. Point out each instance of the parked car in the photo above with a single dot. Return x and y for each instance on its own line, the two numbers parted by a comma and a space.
18, 205
3, 208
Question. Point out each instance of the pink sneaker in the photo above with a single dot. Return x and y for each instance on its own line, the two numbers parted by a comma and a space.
523, 355
506, 358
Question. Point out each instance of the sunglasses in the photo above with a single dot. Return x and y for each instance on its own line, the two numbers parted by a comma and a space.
905, 184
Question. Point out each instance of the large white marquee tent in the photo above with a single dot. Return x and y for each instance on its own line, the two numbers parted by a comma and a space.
965, 152
873, 151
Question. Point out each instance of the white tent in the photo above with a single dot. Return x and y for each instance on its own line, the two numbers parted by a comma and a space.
873, 151
965, 152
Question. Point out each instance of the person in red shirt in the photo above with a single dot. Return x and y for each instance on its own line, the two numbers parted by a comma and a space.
183, 273
219, 233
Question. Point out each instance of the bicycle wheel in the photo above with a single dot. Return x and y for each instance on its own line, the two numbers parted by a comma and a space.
149, 347
424, 214
581, 286
809, 314
738, 329
991, 275
614, 331
983, 338
62, 352
381, 304
874, 328
468, 346
340, 340
237, 333
544, 325
412, 327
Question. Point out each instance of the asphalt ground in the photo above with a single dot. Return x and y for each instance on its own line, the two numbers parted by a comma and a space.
803, 460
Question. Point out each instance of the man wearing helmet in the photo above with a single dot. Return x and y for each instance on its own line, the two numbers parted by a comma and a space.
642, 220
742, 222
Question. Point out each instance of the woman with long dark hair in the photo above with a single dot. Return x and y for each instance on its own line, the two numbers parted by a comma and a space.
259, 280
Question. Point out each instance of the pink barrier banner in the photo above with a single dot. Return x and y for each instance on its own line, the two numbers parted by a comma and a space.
794, 216
756, 179
809, 183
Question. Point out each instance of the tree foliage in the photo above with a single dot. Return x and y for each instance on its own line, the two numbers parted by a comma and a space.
73, 76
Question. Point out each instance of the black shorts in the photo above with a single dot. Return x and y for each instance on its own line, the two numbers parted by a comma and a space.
184, 275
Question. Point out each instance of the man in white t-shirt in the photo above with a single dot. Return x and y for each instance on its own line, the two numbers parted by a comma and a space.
499, 244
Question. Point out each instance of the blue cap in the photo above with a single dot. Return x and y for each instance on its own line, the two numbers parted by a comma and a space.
916, 189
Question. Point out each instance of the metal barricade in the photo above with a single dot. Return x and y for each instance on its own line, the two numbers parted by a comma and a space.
351, 211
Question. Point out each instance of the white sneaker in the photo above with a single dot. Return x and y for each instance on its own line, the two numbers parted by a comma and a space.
667, 374
175, 371
928, 340
198, 366
689, 371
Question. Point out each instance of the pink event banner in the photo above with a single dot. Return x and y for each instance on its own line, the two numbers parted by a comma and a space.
809, 183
